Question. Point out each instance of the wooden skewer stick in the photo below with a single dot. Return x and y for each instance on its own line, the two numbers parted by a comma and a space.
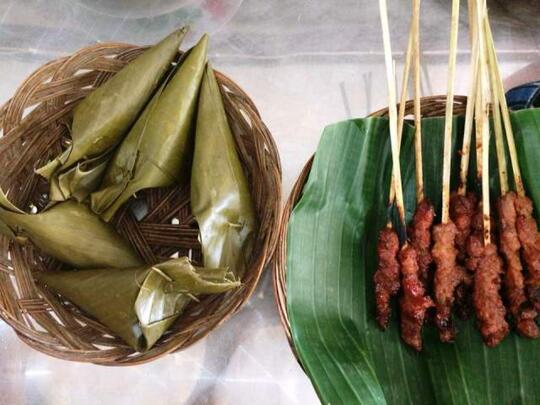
392, 110
403, 101
495, 107
471, 101
505, 114
417, 105
482, 124
447, 160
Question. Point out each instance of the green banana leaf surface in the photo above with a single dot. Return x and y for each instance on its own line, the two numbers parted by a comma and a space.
102, 119
69, 232
220, 197
331, 258
138, 304
158, 149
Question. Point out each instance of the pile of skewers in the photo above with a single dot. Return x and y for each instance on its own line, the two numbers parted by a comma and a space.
457, 265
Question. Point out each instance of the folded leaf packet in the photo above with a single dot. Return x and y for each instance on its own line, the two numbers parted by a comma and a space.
69, 232
158, 149
220, 198
138, 304
102, 119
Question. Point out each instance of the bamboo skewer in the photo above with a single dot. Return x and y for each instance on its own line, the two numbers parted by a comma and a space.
449, 111
403, 100
482, 124
499, 90
471, 101
417, 106
497, 125
392, 110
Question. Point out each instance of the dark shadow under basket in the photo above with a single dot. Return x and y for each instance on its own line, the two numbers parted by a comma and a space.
34, 130
433, 106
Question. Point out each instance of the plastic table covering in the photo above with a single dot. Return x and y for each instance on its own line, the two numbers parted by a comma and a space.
305, 64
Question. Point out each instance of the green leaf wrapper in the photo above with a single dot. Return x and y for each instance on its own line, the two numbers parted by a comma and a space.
331, 258
158, 149
69, 232
138, 304
101, 120
220, 198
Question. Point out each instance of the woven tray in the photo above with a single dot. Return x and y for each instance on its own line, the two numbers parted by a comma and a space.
33, 124
433, 106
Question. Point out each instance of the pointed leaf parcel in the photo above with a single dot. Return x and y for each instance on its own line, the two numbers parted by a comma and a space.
138, 304
102, 119
220, 198
157, 151
69, 232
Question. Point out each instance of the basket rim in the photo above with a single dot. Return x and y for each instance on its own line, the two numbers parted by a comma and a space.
432, 106
235, 99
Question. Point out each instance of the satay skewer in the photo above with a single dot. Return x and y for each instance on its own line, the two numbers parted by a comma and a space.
463, 203
518, 305
415, 257
490, 310
387, 276
526, 226
448, 275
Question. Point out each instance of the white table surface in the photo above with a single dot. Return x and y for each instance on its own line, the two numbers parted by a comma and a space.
305, 64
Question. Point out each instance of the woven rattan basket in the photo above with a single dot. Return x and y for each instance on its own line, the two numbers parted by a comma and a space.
433, 106
34, 129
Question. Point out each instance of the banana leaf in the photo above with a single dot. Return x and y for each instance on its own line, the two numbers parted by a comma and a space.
79, 181
138, 304
101, 120
69, 232
158, 149
220, 198
331, 257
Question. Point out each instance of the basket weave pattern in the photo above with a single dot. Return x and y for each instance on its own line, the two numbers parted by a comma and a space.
433, 106
35, 128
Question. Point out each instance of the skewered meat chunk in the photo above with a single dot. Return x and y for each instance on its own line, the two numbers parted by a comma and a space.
448, 276
530, 243
488, 304
386, 276
413, 302
475, 243
462, 212
421, 237
514, 280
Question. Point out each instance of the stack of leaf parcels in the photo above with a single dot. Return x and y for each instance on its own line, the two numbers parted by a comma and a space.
158, 122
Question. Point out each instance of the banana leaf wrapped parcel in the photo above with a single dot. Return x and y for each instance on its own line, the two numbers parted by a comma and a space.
138, 304
157, 151
69, 232
220, 198
101, 120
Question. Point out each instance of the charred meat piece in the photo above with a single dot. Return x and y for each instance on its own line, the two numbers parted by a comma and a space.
530, 244
448, 275
386, 276
462, 212
475, 242
421, 237
488, 303
413, 302
514, 281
